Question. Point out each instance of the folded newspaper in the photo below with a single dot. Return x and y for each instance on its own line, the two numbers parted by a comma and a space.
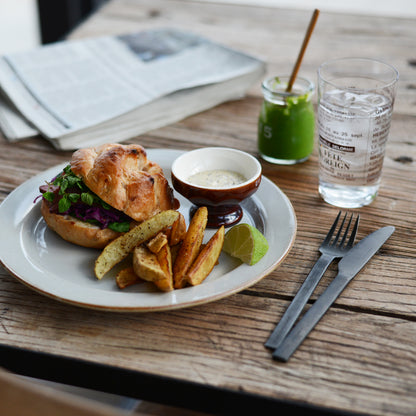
88, 92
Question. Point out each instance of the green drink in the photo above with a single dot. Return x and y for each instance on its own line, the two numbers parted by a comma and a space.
286, 122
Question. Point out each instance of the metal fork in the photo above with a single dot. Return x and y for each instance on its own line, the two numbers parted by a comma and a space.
330, 250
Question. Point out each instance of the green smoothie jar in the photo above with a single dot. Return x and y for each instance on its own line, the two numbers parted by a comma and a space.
287, 121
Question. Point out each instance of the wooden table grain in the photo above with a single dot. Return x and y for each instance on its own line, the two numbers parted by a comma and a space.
361, 357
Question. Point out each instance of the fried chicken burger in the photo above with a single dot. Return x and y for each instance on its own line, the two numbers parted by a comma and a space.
103, 192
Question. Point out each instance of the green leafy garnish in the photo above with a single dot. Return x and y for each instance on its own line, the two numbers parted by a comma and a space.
49, 196
87, 198
68, 181
121, 227
64, 204
73, 197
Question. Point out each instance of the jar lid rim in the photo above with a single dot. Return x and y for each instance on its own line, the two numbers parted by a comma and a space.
277, 85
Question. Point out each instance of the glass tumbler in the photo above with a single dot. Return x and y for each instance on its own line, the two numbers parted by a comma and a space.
355, 105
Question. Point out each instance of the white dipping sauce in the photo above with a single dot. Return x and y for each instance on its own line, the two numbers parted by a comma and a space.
217, 178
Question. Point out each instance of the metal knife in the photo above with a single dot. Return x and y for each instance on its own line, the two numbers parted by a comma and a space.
348, 267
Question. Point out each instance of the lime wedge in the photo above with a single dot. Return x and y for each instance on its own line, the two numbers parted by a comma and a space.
246, 243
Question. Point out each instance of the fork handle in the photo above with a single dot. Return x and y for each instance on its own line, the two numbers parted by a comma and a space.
311, 318
299, 301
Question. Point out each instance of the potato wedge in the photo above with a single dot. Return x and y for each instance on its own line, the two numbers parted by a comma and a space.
190, 247
174, 250
206, 259
119, 248
164, 258
146, 264
127, 277
178, 231
157, 242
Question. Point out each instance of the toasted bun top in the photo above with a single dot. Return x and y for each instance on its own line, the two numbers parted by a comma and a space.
122, 176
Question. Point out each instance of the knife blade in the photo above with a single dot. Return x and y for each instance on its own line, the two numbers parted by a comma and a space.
348, 268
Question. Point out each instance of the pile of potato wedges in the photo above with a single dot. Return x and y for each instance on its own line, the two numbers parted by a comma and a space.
164, 252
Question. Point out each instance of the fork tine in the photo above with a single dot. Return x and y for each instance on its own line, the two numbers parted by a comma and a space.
341, 244
331, 231
339, 231
354, 232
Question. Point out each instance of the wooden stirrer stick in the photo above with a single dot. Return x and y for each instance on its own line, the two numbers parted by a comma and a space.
308, 35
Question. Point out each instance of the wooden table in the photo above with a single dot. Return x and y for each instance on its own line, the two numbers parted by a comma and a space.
360, 358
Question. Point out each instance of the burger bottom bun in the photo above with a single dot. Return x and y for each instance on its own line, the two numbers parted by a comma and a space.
76, 231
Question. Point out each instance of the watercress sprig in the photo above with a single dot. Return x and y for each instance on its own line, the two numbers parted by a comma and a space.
67, 180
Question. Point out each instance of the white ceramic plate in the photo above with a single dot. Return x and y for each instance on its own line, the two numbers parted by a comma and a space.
40, 259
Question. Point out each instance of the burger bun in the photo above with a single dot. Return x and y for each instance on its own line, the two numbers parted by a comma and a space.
76, 231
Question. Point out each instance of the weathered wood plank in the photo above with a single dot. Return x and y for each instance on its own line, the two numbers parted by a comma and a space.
347, 356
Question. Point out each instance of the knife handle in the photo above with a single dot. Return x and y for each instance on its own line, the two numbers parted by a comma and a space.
299, 301
310, 319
